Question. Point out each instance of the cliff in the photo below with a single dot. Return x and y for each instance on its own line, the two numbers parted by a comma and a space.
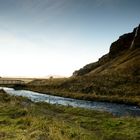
123, 51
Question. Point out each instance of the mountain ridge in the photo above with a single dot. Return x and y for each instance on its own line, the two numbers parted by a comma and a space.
126, 43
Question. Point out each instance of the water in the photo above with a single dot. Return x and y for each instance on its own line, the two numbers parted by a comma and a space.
136, 33
114, 108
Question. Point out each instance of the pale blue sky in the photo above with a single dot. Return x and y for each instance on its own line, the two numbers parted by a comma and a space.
47, 37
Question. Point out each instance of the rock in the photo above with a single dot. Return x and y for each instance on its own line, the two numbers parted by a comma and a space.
136, 42
125, 42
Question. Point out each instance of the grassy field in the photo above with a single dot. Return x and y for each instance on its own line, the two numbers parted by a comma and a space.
111, 88
22, 119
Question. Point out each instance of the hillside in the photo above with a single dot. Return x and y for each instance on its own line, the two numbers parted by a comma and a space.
123, 57
114, 77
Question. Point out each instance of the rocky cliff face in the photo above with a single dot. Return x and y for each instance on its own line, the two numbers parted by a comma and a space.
127, 42
136, 40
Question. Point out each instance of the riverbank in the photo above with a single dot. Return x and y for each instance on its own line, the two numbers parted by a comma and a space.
22, 119
130, 100
113, 108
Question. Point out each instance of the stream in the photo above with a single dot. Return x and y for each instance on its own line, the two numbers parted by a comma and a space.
114, 108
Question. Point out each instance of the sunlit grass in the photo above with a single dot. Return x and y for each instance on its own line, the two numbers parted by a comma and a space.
22, 119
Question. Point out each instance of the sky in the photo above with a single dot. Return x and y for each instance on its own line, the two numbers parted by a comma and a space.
56, 37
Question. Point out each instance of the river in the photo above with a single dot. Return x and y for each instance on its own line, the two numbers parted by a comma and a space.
114, 108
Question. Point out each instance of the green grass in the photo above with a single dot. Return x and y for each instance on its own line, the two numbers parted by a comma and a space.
22, 119
113, 87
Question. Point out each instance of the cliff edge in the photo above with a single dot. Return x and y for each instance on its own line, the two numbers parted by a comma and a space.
123, 57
